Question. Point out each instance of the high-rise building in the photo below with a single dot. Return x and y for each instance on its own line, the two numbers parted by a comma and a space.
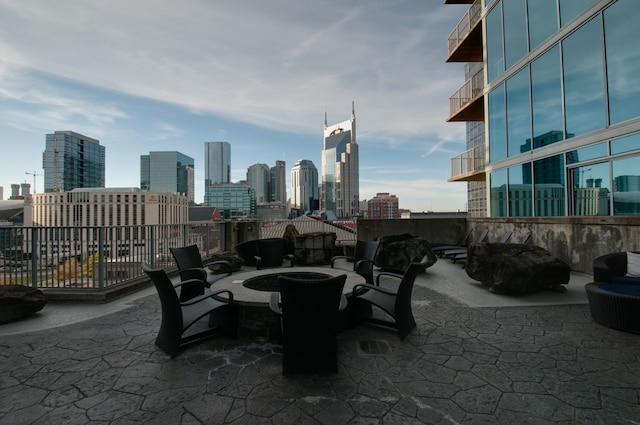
233, 200
217, 163
383, 206
340, 169
278, 183
552, 93
304, 185
259, 179
72, 161
167, 171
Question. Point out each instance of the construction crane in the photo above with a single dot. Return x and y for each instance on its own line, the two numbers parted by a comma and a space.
34, 174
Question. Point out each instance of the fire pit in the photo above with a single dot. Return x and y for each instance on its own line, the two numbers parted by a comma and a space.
269, 282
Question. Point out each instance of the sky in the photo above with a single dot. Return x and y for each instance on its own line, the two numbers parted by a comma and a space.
161, 75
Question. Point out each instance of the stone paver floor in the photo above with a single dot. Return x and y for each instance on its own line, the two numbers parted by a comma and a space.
462, 365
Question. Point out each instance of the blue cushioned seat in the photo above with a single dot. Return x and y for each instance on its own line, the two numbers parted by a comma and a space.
622, 288
626, 280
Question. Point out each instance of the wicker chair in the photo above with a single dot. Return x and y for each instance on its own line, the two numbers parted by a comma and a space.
363, 259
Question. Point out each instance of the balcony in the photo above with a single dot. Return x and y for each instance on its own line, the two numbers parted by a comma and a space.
467, 103
465, 41
468, 166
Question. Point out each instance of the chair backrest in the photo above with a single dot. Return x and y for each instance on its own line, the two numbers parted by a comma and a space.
309, 303
483, 235
405, 289
465, 237
187, 257
247, 251
271, 251
504, 237
171, 309
365, 250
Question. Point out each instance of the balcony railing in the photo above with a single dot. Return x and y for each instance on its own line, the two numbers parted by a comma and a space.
468, 163
95, 257
468, 21
472, 88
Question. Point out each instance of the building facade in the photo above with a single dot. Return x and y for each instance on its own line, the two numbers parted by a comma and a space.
340, 191
233, 200
278, 183
71, 161
259, 179
217, 163
384, 206
553, 95
304, 185
168, 171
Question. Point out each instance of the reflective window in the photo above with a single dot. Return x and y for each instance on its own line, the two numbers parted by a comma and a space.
495, 58
546, 99
626, 144
518, 114
520, 191
549, 186
584, 80
591, 190
588, 153
543, 21
623, 61
498, 181
626, 186
497, 125
569, 9
515, 31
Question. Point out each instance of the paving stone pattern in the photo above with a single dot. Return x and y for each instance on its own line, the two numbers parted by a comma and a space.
508, 365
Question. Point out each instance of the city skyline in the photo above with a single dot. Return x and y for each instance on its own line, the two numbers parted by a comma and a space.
259, 76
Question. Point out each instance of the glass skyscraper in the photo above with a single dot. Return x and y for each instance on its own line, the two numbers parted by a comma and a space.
72, 161
217, 163
555, 102
167, 171
304, 185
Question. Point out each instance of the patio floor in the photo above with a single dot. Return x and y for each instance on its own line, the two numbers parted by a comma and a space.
475, 358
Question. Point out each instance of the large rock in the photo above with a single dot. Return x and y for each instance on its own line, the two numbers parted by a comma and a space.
516, 268
315, 248
236, 262
396, 252
18, 301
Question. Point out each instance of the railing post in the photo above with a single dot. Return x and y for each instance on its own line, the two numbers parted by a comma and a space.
152, 245
34, 256
101, 260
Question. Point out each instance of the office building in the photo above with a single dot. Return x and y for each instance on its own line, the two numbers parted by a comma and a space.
552, 98
278, 183
304, 186
383, 206
259, 179
233, 200
217, 163
340, 169
168, 171
71, 161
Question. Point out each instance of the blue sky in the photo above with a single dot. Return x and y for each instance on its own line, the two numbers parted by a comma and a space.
163, 75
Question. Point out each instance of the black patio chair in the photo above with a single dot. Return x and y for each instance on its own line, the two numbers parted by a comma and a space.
190, 264
396, 303
363, 259
461, 243
271, 253
482, 237
309, 311
178, 317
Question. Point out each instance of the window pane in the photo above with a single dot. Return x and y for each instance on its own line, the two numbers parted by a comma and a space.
625, 144
515, 31
626, 186
549, 186
498, 181
623, 61
569, 9
591, 190
543, 21
520, 190
546, 99
497, 125
584, 80
518, 113
585, 154
495, 59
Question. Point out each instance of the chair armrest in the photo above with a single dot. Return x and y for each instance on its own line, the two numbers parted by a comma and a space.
291, 258
194, 273
339, 257
372, 287
215, 295
188, 282
388, 274
274, 303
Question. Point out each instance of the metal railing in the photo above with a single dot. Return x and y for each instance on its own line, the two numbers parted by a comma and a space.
473, 87
468, 21
95, 257
470, 161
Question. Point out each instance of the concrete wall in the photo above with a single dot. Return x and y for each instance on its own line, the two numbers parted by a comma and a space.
575, 240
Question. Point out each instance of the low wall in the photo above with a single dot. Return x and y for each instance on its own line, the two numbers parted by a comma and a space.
575, 240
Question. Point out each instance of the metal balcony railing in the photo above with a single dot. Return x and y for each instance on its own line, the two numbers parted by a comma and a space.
95, 257
473, 87
468, 162
468, 21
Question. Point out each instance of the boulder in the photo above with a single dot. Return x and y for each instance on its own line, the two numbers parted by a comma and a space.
396, 252
18, 301
315, 248
516, 268
290, 235
236, 262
